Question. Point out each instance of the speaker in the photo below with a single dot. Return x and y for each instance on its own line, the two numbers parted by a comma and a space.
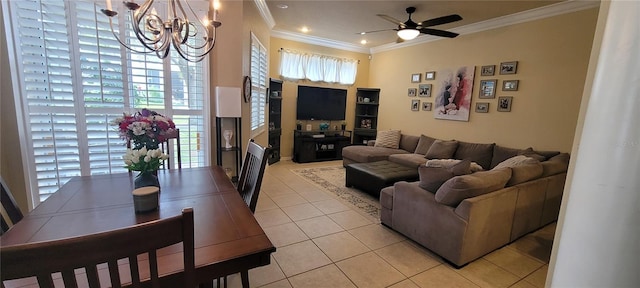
228, 102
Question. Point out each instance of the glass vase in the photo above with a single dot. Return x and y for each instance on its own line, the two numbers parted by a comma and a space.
146, 179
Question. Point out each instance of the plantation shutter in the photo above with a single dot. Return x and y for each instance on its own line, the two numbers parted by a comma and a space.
258, 85
75, 78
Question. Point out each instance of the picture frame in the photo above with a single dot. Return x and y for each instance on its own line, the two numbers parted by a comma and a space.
488, 70
504, 103
426, 106
510, 85
415, 105
488, 89
415, 78
360, 99
431, 75
412, 92
424, 90
482, 107
510, 67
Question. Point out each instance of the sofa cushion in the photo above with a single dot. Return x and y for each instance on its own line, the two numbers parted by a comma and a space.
458, 188
555, 165
388, 139
524, 173
365, 154
546, 154
501, 153
431, 178
424, 143
448, 163
516, 161
408, 159
441, 149
409, 142
475, 152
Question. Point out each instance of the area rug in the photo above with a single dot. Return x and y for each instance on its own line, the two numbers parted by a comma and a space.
331, 179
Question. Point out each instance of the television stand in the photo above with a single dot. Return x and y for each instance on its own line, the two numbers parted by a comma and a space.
309, 146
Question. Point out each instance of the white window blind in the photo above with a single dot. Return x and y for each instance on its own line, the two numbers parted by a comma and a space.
318, 68
75, 78
258, 85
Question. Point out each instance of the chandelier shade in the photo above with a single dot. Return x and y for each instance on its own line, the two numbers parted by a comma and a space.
192, 39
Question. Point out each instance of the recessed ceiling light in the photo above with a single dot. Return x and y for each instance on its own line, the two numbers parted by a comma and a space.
363, 42
282, 6
304, 29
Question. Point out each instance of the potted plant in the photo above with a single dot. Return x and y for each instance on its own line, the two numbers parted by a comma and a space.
344, 125
147, 162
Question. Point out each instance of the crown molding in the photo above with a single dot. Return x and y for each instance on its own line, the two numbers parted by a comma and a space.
265, 13
298, 37
512, 19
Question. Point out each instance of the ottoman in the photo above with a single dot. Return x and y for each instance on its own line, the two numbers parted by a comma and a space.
372, 177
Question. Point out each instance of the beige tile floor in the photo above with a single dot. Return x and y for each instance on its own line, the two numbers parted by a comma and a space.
322, 242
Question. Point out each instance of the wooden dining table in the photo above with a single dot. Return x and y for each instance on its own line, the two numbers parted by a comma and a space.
228, 239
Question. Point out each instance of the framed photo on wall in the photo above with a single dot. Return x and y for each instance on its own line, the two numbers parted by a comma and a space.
510, 85
431, 75
488, 70
482, 107
488, 89
412, 92
509, 67
424, 90
504, 103
426, 106
415, 105
415, 78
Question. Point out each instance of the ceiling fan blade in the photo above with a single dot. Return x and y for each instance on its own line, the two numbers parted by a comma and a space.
399, 40
390, 19
374, 31
440, 33
441, 20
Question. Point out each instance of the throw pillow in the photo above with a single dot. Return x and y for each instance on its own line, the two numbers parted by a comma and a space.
447, 163
555, 165
424, 144
516, 161
475, 152
501, 153
458, 188
431, 178
441, 149
388, 139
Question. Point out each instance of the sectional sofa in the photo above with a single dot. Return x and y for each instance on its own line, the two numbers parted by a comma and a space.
459, 214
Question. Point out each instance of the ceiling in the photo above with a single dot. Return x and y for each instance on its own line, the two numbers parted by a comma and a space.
343, 21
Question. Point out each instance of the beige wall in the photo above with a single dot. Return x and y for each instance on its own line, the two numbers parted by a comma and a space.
10, 155
290, 89
552, 55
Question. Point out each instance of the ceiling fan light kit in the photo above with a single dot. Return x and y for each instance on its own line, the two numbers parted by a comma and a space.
409, 30
408, 34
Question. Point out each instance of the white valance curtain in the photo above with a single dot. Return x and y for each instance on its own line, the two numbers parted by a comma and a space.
318, 68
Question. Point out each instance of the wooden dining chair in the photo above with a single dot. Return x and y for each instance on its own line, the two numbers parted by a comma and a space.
175, 134
249, 183
251, 173
41, 259
10, 207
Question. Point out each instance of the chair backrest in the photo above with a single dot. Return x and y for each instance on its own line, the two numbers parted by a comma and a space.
41, 259
165, 147
251, 174
10, 207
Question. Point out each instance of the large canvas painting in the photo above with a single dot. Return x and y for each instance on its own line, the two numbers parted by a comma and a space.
454, 98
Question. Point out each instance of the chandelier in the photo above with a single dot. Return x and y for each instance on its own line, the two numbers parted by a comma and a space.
193, 40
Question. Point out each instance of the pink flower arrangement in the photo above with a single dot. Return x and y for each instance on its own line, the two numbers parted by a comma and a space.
145, 128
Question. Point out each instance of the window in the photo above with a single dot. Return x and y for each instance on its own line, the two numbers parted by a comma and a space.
317, 68
258, 86
75, 78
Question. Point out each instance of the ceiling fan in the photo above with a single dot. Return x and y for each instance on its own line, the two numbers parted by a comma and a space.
409, 30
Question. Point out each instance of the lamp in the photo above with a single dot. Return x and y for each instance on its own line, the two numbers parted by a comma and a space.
408, 33
228, 102
193, 40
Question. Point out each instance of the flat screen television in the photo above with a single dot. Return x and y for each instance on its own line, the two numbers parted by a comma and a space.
318, 103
